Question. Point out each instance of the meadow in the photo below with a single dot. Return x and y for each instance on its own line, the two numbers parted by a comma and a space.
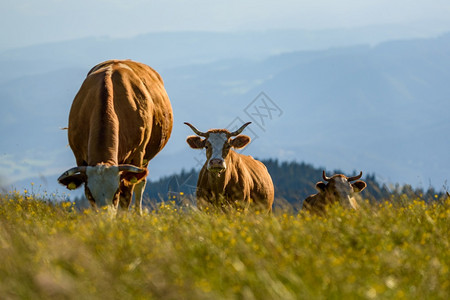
396, 249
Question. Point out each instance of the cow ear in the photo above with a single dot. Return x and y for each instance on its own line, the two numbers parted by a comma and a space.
240, 141
196, 142
133, 177
74, 181
359, 185
320, 186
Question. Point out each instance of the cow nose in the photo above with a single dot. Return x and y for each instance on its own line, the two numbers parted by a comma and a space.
215, 162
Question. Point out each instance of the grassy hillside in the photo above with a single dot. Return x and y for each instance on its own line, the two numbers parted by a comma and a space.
388, 251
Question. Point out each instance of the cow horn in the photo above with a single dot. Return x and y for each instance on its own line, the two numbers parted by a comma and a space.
70, 172
355, 177
240, 129
130, 168
324, 176
197, 132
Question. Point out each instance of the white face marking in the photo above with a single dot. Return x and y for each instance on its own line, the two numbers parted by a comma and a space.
103, 183
217, 140
345, 192
342, 185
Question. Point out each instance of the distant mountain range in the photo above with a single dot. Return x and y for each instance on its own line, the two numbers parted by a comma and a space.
382, 109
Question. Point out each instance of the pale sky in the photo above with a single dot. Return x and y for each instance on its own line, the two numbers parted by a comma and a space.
28, 22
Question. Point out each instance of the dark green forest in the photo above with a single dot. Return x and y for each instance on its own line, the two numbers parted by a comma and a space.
293, 182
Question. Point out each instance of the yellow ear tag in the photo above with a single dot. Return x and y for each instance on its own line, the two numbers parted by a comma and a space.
133, 180
71, 186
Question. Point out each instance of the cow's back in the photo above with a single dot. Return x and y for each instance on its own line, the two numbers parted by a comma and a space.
309, 202
257, 178
315, 203
120, 93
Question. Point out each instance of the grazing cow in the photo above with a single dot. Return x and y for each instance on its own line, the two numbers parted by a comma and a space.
119, 120
229, 179
339, 188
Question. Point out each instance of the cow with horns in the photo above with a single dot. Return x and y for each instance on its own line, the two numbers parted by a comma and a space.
119, 120
229, 179
337, 189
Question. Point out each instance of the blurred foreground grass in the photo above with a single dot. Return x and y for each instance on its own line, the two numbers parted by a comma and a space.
385, 251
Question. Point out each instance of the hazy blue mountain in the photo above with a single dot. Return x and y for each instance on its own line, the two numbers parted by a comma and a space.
384, 109
381, 109
172, 49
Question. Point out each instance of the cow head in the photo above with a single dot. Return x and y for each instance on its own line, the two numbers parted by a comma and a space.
339, 188
218, 143
102, 182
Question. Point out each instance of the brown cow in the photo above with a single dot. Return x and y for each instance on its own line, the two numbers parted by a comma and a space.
229, 179
119, 120
339, 188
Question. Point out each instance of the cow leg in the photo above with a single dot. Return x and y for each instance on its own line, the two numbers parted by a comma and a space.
126, 193
138, 192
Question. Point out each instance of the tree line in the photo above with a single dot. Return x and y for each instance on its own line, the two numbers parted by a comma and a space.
293, 181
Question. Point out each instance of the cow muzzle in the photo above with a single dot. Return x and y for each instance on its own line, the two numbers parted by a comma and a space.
349, 202
216, 165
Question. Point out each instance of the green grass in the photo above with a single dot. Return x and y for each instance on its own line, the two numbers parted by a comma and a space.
386, 251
